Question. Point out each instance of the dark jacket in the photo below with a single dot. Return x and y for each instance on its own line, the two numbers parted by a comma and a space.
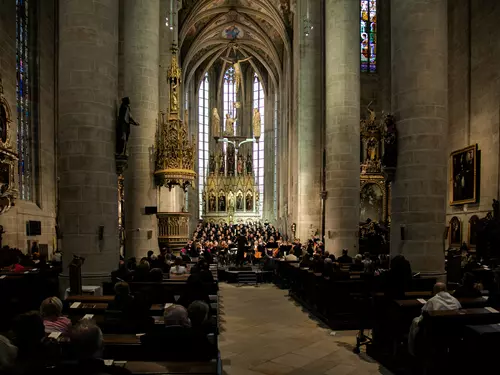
177, 343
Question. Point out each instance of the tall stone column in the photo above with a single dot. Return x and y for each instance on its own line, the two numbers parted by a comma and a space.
88, 77
419, 103
309, 118
141, 59
342, 124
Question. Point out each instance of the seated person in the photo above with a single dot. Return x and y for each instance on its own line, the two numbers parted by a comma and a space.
318, 264
194, 291
53, 320
156, 275
122, 273
141, 273
35, 350
133, 311
346, 259
442, 300
8, 354
198, 313
178, 268
468, 288
87, 344
291, 257
17, 266
328, 269
177, 340
358, 265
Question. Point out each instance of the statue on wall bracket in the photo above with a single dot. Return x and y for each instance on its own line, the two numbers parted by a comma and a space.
123, 127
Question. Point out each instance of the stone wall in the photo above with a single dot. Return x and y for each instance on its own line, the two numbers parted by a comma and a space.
43, 208
474, 94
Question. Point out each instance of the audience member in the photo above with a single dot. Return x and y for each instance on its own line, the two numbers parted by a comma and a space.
198, 313
178, 268
141, 273
468, 288
53, 320
399, 278
358, 265
8, 354
194, 291
122, 273
345, 259
177, 341
442, 300
87, 345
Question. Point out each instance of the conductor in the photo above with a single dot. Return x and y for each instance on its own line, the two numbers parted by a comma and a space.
241, 243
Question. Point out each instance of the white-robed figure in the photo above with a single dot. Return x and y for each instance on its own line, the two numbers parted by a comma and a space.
442, 300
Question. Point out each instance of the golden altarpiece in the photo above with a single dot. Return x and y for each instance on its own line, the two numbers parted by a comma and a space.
174, 166
231, 194
8, 157
375, 188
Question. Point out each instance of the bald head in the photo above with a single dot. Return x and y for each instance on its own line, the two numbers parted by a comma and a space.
439, 287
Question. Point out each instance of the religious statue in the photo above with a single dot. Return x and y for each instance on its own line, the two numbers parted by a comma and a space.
229, 129
239, 166
231, 201
211, 163
222, 167
257, 129
123, 127
215, 123
230, 160
238, 76
249, 202
174, 97
239, 202
212, 205
249, 164
222, 203
371, 149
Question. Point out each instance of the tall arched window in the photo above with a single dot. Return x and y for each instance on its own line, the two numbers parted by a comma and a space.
203, 126
26, 95
258, 147
229, 93
368, 34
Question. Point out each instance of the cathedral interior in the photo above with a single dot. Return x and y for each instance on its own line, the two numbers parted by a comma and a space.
335, 119
357, 131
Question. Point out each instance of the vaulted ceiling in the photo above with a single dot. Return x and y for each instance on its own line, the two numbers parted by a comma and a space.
210, 29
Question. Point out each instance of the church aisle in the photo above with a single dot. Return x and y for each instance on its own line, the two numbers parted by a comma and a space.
265, 332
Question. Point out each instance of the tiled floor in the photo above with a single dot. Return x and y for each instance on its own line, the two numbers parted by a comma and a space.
265, 332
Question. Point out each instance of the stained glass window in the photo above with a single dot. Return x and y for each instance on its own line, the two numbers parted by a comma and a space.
203, 126
368, 34
229, 95
258, 147
23, 93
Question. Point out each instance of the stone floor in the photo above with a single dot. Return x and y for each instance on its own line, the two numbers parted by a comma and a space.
266, 332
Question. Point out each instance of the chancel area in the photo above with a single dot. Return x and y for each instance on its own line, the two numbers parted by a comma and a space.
249, 186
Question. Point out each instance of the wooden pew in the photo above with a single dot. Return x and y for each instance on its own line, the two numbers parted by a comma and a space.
201, 368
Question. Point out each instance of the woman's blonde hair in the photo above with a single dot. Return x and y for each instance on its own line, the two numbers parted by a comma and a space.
51, 307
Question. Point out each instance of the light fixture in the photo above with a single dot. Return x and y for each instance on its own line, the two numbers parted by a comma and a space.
308, 27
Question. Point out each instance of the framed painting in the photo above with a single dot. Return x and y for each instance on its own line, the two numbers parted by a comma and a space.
473, 221
463, 176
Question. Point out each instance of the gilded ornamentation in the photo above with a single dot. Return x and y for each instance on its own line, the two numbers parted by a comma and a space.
8, 157
375, 186
173, 229
175, 152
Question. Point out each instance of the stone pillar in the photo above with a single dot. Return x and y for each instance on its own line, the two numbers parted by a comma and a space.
141, 58
167, 37
342, 140
419, 103
88, 78
309, 119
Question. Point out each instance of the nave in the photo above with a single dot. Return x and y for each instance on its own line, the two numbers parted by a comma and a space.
266, 332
